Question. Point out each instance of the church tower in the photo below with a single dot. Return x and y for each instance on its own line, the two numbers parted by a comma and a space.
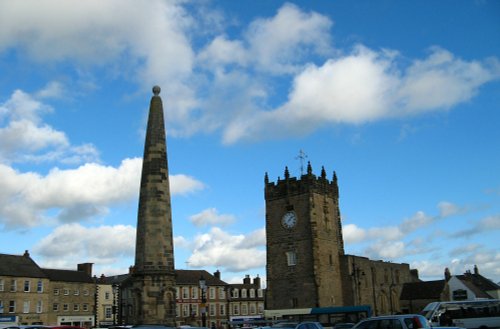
153, 276
304, 241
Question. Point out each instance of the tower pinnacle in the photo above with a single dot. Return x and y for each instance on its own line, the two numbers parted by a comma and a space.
156, 90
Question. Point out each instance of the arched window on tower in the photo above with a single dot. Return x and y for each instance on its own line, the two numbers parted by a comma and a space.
291, 258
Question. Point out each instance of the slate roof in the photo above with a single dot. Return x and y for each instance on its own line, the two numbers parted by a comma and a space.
477, 291
479, 281
114, 279
20, 266
422, 290
68, 275
192, 277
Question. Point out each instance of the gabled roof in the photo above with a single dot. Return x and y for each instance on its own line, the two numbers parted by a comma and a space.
192, 277
478, 292
20, 266
68, 275
115, 279
479, 281
423, 290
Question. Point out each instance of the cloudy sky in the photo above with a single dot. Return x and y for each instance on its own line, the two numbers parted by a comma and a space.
399, 98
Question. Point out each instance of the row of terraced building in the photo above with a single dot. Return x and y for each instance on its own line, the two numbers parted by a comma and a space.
30, 295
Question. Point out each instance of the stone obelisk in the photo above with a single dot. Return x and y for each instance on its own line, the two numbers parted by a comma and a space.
153, 276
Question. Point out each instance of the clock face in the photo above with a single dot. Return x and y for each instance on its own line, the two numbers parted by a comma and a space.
289, 219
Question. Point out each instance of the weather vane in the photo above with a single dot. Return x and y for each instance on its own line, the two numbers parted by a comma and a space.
302, 157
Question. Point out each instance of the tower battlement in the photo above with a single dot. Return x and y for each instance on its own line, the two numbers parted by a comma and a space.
306, 183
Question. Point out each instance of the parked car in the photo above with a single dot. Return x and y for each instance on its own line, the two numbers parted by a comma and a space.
151, 326
284, 325
343, 325
403, 321
299, 325
309, 325
406, 321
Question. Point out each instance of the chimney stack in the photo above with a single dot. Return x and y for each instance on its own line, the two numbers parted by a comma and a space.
85, 267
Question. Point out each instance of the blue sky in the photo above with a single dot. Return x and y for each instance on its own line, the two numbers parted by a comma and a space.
399, 98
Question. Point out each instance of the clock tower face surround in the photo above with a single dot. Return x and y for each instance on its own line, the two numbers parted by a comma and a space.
289, 219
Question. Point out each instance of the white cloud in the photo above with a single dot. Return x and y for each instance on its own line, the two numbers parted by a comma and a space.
150, 40
67, 195
442, 81
353, 233
429, 270
90, 183
487, 224
336, 88
420, 219
490, 223
30, 199
280, 43
276, 45
222, 51
22, 106
183, 184
54, 89
210, 216
234, 253
25, 137
350, 89
181, 242
464, 249
487, 260
365, 86
388, 233
447, 209
254, 239
386, 249
98, 245
95, 32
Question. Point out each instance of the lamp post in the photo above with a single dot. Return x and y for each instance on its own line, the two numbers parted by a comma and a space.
203, 310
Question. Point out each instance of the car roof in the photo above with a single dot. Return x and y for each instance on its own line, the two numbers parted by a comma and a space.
398, 316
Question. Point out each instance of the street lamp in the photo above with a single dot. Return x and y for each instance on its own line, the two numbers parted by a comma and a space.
203, 310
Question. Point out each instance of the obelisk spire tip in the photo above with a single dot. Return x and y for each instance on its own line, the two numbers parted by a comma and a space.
156, 90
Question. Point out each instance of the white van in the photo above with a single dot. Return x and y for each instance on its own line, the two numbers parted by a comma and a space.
470, 314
